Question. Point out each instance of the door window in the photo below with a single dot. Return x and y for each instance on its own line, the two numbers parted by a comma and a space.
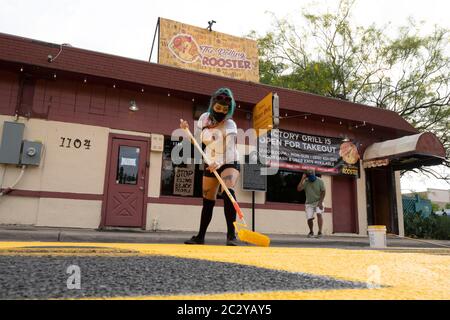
128, 165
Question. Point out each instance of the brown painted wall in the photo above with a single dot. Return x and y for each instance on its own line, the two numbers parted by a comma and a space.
9, 86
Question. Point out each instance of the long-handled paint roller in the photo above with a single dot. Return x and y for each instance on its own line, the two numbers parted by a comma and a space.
244, 235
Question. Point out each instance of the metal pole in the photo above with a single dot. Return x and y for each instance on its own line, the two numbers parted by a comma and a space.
153, 43
253, 210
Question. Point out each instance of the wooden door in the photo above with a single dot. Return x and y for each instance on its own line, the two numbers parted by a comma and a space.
126, 184
344, 205
382, 200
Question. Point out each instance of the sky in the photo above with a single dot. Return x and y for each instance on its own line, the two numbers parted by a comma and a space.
126, 28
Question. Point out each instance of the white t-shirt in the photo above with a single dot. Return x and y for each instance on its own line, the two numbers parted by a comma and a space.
215, 139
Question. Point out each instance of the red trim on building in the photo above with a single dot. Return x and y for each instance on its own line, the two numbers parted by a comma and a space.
54, 195
161, 200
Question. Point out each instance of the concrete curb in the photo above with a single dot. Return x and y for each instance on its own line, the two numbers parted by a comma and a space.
17, 233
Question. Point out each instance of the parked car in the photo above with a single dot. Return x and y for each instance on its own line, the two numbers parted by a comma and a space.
443, 212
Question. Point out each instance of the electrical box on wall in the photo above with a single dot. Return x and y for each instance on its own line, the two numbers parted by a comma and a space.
157, 143
31, 153
11, 142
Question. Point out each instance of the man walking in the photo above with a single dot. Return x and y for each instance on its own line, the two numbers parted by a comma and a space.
315, 193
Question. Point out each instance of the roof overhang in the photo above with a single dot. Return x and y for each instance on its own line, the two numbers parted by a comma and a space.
423, 149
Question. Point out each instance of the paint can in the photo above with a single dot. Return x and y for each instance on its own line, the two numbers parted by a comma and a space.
377, 236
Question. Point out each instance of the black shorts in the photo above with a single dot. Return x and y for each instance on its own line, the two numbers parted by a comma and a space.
234, 165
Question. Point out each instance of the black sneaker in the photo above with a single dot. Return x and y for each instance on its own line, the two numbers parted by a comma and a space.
319, 235
195, 240
310, 235
232, 242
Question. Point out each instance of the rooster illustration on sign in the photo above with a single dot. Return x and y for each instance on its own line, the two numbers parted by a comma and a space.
185, 48
349, 152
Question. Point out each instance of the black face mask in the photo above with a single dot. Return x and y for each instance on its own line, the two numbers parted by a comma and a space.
218, 116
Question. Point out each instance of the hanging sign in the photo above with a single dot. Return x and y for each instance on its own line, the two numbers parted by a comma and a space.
266, 114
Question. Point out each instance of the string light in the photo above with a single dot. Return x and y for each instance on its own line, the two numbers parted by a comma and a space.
359, 125
168, 94
85, 80
323, 120
54, 75
142, 90
21, 69
114, 86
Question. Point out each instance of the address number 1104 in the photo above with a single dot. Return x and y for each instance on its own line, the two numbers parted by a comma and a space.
75, 143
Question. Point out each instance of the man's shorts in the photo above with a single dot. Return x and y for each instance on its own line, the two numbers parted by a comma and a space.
311, 209
234, 165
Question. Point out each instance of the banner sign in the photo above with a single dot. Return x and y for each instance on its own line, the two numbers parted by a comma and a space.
299, 152
198, 49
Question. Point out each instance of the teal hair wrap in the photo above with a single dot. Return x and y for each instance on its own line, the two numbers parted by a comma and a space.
227, 92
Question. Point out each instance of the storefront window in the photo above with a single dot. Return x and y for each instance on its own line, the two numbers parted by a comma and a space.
184, 180
282, 187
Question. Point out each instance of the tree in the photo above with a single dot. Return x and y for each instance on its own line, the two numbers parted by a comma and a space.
328, 55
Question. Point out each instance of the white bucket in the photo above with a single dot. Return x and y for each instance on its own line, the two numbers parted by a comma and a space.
377, 236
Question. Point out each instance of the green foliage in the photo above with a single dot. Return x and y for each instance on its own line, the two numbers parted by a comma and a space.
447, 206
431, 227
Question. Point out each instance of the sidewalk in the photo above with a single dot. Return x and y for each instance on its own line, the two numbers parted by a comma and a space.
44, 234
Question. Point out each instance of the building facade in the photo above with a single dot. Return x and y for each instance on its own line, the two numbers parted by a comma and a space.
78, 107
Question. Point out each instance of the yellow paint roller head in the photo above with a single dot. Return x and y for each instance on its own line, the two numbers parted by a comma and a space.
252, 237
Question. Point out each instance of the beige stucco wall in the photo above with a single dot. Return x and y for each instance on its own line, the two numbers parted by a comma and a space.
18, 210
63, 169
154, 181
361, 202
69, 213
401, 225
